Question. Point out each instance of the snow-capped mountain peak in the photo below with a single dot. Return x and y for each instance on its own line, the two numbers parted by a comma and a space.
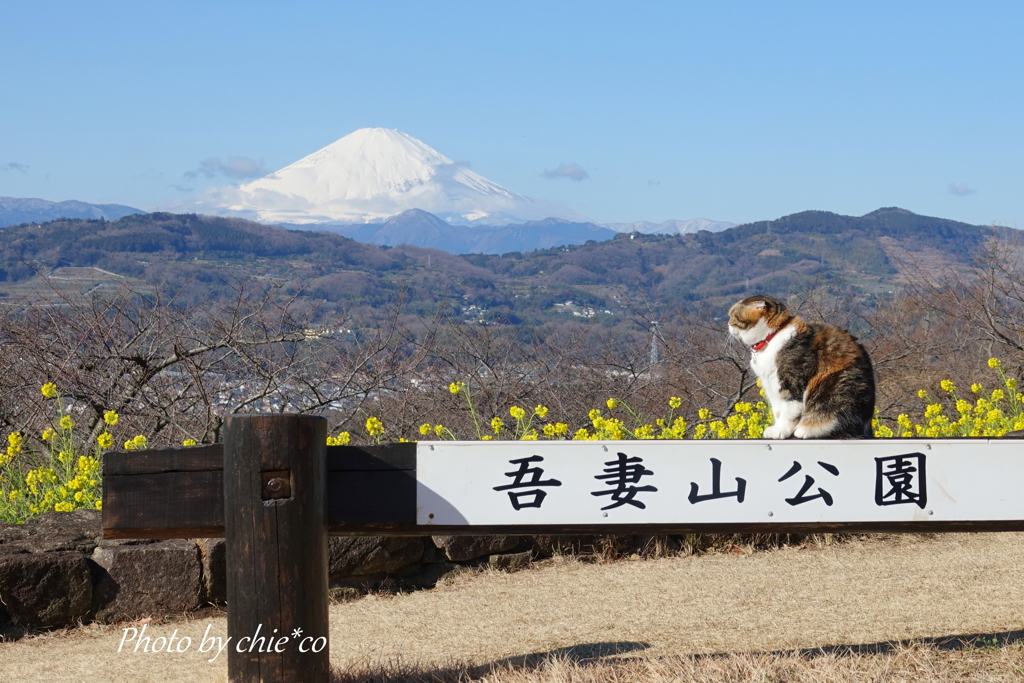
672, 227
368, 163
374, 173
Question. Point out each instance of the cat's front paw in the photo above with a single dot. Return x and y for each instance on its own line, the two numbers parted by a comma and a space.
777, 431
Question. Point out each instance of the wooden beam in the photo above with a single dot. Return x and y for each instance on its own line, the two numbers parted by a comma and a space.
371, 490
176, 493
179, 493
187, 459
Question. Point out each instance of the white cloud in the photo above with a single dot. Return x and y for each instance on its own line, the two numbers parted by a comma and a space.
239, 168
961, 190
572, 171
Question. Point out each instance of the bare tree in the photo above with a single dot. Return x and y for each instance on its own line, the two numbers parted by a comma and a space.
167, 365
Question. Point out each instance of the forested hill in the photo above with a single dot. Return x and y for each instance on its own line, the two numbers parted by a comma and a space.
778, 257
126, 246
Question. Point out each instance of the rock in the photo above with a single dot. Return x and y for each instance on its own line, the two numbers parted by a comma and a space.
13, 548
44, 590
115, 542
510, 562
350, 556
137, 580
11, 533
53, 532
463, 548
214, 560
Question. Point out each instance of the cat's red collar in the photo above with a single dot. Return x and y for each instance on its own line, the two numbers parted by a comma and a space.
759, 346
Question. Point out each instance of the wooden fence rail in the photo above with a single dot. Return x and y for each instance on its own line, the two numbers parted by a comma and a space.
275, 491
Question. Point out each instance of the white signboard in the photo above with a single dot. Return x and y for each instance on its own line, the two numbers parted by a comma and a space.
681, 482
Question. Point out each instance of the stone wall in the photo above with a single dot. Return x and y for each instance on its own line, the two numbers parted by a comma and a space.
57, 570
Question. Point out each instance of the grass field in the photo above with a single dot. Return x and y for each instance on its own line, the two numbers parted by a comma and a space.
911, 608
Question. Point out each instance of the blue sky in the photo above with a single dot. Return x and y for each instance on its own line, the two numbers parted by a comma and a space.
734, 111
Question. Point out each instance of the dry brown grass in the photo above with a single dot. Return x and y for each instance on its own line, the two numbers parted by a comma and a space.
786, 615
903, 663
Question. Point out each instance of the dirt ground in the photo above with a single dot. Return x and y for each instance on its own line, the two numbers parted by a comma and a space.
854, 593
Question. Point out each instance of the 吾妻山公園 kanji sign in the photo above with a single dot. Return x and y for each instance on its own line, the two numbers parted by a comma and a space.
652, 482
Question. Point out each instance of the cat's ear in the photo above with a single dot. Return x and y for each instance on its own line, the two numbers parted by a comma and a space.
757, 304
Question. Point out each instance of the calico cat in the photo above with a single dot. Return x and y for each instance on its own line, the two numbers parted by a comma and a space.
818, 379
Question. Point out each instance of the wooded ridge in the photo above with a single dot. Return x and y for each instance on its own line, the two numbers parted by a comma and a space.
868, 256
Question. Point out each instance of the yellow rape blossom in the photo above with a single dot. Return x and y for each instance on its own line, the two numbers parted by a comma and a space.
644, 432
342, 439
374, 427
49, 390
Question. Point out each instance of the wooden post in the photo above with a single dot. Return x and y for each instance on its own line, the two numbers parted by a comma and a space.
276, 544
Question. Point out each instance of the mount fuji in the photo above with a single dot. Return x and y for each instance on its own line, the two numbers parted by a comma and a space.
372, 175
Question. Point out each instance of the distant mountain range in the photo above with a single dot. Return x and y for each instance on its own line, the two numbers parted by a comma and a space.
377, 176
866, 256
382, 186
14, 211
422, 229
369, 176
414, 227
689, 227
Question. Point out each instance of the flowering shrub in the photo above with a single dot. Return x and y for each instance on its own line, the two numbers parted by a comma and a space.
64, 474
992, 413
